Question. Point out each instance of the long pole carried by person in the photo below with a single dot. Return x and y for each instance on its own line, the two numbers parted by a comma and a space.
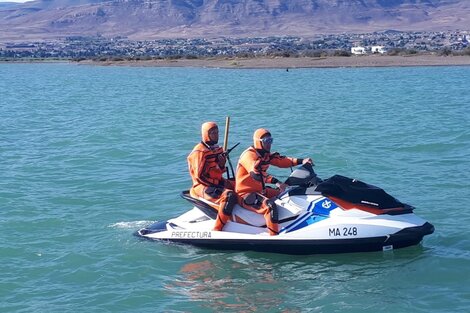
227, 126
227, 151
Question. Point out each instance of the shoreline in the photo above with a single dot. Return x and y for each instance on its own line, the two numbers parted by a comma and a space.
293, 63
276, 62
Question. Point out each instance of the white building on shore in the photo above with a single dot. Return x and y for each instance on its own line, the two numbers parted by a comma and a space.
378, 49
358, 50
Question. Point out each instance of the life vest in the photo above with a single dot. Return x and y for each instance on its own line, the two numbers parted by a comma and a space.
252, 170
206, 166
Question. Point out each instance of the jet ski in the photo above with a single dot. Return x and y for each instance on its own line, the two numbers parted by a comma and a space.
335, 215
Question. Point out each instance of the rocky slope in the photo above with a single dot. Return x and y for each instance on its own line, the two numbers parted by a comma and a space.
148, 19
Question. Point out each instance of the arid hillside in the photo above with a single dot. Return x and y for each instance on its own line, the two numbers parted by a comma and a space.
151, 19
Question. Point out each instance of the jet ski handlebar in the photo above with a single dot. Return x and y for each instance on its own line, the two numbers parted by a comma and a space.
304, 176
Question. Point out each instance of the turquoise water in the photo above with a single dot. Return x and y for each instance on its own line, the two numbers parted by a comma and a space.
88, 155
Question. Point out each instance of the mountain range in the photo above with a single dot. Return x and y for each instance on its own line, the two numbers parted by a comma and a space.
156, 19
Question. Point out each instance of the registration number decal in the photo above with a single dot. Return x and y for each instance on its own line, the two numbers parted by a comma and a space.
342, 232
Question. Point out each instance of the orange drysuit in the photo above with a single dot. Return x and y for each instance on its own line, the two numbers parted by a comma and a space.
206, 166
252, 177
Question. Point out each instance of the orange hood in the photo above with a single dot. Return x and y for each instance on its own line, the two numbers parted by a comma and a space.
259, 133
205, 128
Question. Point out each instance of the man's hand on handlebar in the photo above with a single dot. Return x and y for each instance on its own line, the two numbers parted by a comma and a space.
307, 160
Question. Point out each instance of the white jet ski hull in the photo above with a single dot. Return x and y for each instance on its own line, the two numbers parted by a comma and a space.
337, 215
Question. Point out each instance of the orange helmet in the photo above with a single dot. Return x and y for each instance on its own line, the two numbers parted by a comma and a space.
260, 133
205, 128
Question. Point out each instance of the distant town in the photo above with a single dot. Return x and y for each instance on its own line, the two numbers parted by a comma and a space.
389, 42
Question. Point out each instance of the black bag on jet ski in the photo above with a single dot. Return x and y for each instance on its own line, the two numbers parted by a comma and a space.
358, 192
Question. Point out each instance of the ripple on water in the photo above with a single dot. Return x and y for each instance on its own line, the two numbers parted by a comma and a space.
91, 154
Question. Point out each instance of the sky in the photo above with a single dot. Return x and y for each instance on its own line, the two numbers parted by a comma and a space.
14, 0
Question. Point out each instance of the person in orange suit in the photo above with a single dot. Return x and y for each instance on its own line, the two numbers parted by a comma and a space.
252, 177
206, 166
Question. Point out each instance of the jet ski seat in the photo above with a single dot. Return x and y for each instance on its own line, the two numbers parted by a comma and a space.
204, 206
239, 215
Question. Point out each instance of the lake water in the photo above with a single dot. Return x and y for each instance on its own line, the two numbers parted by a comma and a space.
88, 155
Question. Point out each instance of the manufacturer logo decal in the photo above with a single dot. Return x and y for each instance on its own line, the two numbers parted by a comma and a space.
326, 204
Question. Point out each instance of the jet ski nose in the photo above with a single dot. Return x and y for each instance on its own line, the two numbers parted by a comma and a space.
152, 228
